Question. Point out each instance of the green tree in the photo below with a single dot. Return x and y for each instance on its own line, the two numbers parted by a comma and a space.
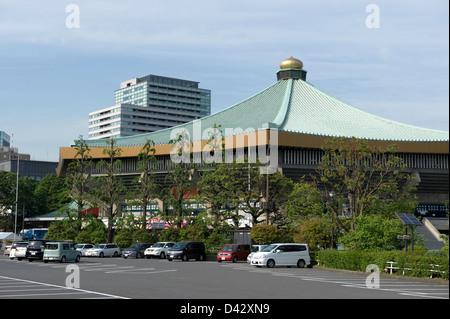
79, 177
360, 176
304, 202
317, 233
374, 233
267, 234
7, 199
51, 193
147, 188
61, 230
111, 190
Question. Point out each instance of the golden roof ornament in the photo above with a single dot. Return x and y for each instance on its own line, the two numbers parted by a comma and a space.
291, 63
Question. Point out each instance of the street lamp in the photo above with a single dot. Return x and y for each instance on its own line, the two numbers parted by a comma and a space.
331, 195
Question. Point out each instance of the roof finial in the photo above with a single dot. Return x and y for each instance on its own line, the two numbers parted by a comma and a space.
291, 63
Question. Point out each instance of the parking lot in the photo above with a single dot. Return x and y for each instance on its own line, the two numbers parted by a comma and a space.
115, 277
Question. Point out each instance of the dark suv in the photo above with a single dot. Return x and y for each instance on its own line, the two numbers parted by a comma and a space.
35, 249
186, 250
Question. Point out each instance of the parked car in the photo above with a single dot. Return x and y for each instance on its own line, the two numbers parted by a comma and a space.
7, 249
61, 251
255, 249
158, 250
35, 249
18, 250
102, 250
186, 250
284, 254
233, 252
136, 250
83, 248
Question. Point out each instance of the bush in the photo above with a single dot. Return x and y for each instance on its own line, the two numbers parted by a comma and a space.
418, 262
144, 236
170, 234
61, 230
267, 234
194, 233
374, 233
124, 238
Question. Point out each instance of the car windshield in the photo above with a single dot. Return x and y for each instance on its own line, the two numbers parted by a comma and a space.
158, 245
135, 246
22, 244
269, 248
51, 246
79, 246
35, 243
180, 245
99, 246
229, 248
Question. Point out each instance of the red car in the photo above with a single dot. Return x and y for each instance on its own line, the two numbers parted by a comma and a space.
233, 252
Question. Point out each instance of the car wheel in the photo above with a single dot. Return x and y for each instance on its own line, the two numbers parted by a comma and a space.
101, 255
169, 259
184, 258
138, 255
162, 255
270, 263
116, 254
300, 263
201, 257
63, 259
235, 259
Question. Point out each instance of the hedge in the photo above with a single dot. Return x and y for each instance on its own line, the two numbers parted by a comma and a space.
417, 262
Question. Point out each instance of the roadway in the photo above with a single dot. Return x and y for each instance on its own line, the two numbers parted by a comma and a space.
161, 279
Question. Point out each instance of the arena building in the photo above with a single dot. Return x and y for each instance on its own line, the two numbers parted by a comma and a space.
292, 118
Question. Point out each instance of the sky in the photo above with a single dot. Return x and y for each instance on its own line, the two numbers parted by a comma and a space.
61, 59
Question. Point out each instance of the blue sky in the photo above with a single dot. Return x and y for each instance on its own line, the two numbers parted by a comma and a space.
52, 76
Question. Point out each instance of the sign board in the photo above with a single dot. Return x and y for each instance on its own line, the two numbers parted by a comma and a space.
403, 237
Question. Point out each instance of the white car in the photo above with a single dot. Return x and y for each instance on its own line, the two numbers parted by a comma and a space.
158, 250
283, 254
18, 250
83, 248
255, 249
103, 250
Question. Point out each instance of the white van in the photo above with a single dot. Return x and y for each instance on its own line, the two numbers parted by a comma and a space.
283, 254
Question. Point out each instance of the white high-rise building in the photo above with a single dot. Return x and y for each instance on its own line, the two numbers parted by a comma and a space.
149, 104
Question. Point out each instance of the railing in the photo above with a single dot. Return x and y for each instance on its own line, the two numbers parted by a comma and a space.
433, 268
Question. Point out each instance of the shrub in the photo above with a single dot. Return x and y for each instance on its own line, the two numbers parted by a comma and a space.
144, 236
267, 234
124, 238
170, 234
61, 230
417, 263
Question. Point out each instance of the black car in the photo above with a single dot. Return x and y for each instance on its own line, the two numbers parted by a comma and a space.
35, 249
186, 250
135, 250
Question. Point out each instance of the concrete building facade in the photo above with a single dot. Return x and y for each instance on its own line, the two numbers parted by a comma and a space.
149, 104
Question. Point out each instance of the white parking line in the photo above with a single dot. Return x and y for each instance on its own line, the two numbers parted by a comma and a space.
106, 268
64, 290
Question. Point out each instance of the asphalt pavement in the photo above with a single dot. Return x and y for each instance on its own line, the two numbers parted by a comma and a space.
118, 278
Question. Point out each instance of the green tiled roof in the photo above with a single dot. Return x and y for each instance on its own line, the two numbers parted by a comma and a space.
294, 105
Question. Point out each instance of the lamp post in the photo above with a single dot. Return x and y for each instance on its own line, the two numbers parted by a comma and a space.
17, 196
331, 195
